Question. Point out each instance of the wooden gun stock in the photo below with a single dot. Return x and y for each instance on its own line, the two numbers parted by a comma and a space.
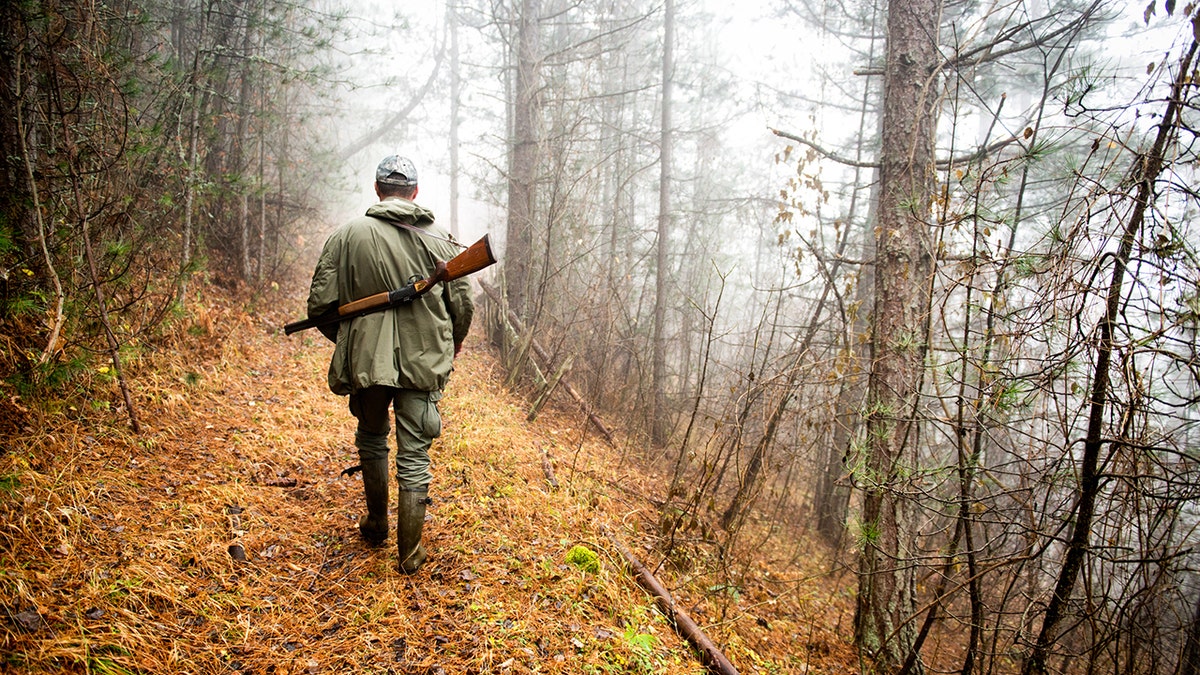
475, 258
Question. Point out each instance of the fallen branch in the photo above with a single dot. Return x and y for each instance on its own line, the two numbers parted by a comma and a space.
518, 328
712, 657
548, 388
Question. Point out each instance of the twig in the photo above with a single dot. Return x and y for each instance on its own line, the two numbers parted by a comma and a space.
826, 153
976, 155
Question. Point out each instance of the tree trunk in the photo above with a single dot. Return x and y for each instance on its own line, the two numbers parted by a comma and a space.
884, 634
191, 179
455, 95
522, 158
660, 417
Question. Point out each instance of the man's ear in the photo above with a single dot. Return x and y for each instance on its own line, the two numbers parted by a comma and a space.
378, 194
416, 189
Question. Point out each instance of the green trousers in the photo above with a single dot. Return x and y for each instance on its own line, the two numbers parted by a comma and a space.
418, 422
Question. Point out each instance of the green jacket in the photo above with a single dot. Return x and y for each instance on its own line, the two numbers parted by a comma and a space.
410, 346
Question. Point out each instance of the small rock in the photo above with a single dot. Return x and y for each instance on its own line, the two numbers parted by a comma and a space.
237, 552
94, 613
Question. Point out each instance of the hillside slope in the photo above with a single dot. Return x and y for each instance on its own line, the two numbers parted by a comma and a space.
117, 552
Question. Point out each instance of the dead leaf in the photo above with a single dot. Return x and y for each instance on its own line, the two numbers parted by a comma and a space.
28, 619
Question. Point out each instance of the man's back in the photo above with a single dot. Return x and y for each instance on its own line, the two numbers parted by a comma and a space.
407, 347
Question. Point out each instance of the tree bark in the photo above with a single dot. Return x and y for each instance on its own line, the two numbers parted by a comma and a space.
522, 162
455, 105
884, 634
660, 417
191, 174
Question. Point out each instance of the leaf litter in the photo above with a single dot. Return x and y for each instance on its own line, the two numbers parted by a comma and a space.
223, 538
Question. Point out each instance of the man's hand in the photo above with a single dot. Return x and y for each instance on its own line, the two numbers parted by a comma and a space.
457, 348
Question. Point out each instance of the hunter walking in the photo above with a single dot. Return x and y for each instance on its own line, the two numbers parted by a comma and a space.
393, 363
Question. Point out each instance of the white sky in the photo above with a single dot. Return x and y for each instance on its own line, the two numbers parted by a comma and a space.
758, 45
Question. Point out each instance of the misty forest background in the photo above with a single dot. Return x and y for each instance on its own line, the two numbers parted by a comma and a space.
942, 316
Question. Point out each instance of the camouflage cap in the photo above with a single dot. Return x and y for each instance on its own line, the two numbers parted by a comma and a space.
396, 170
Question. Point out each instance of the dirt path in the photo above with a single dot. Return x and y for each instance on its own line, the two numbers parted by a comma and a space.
115, 555
115, 550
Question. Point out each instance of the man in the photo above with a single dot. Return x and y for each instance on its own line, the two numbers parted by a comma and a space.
399, 358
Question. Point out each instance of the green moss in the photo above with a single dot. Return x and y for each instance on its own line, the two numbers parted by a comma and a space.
584, 558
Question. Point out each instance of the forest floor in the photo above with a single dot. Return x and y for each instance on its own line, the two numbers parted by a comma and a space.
116, 549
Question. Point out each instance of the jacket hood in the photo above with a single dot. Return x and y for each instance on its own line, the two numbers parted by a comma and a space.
401, 211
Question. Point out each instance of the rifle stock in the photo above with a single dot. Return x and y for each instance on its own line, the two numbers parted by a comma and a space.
475, 258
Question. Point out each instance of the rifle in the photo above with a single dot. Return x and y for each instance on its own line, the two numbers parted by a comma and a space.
476, 257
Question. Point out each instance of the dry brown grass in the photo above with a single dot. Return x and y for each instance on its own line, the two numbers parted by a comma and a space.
114, 549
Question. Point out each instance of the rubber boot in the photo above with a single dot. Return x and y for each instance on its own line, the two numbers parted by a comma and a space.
410, 519
374, 526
